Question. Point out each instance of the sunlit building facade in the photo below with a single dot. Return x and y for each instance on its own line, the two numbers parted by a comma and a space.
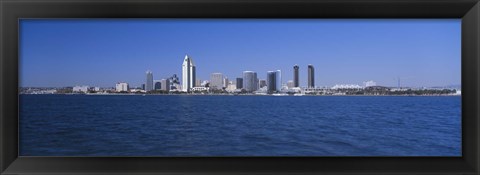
188, 74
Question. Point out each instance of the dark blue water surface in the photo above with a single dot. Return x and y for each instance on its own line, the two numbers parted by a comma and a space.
177, 125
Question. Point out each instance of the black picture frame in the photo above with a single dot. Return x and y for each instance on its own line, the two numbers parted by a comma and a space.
12, 10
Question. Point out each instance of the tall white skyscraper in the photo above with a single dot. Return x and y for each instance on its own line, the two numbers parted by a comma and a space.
149, 83
188, 74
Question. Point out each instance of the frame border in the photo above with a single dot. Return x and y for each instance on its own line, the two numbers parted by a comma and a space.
12, 10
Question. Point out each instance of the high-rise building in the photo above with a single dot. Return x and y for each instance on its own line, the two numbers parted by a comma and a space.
188, 74
296, 76
278, 80
271, 81
262, 83
149, 82
239, 83
198, 83
250, 81
143, 86
225, 82
216, 81
121, 87
165, 85
157, 85
311, 76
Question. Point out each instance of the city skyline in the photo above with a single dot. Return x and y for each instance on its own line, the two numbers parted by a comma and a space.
437, 69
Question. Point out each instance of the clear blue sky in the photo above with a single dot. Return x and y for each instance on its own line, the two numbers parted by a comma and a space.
422, 52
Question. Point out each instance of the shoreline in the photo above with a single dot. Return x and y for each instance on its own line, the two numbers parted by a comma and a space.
452, 95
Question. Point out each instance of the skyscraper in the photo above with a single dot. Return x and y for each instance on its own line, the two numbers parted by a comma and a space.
149, 83
198, 83
296, 76
225, 82
188, 74
250, 81
165, 85
262, 83
271, 82
311, 76
278, 80
216, 81
157, 85
239, 83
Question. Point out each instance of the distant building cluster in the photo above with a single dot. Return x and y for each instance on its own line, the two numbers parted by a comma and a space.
248, 83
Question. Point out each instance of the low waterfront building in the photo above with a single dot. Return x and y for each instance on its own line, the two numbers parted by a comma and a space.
200, 89
83, 89
231, 87
137, 90
347, 86
290, 84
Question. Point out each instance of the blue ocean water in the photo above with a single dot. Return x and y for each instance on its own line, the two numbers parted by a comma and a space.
179, 125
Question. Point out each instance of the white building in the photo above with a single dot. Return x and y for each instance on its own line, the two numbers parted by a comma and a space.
200, 89
369, 83
121, 87
231, 87
347, 86
188, 74
290, 84
204, 83
137, 90
83, 89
